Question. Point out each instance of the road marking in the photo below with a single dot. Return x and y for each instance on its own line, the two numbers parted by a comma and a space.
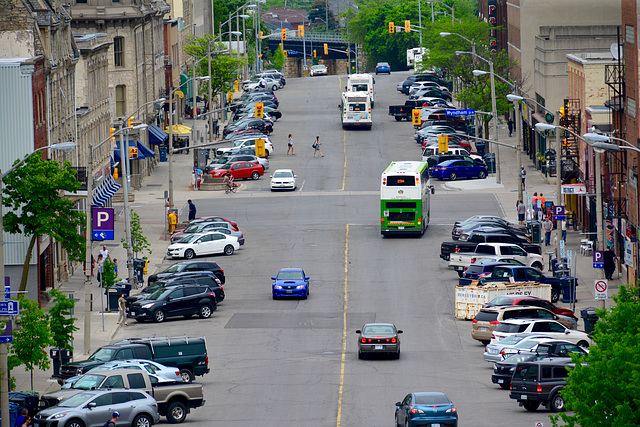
344, 173
344, 325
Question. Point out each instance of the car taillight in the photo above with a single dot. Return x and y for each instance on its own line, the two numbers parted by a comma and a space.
502, 351
539, 389
393, 340
484, 274
473, 260
206, 361
474, 321
466, 268
221, 288
511, 387
363, 340
493, 336
212, 294
456, 250
494, 322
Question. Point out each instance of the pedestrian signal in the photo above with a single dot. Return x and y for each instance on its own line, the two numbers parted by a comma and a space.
314, 53
133, 152
236, 85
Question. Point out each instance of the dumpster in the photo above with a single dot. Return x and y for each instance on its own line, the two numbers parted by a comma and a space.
59, 357
14, 411
113, 293
480, 147
535, 229
568, 284
163, 154
138, 269
28, 400
490, 160
590, 318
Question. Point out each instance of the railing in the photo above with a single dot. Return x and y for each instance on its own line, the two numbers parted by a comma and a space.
326, 37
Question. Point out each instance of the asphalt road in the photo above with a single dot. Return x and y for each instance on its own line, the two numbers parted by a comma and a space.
294, 363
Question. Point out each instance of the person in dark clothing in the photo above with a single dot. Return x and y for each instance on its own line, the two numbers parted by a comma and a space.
192, 210
510, 126
609, 263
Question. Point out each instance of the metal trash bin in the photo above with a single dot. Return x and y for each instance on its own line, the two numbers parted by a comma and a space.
480, 147
14, 411
59, 357
588, 314
138, 269
569, 285
163, 154
535, 229
28, 400
490, 160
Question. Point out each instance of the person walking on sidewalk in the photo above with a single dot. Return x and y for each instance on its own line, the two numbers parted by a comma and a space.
510, 126
523, 175
522, 210
290, 145
548, 227
104, 252
316, 147
114, 419
192, 210
122, 309
609, 263
534, 205
100, 267
172, 220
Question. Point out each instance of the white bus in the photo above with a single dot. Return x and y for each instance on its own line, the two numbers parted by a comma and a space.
405, 198
362, 83
356, 110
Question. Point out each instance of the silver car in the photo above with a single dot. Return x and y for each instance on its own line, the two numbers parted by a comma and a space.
494, 352
155, 370
93, 407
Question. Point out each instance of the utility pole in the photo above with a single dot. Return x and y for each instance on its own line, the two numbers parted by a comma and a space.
88, 249
124, 157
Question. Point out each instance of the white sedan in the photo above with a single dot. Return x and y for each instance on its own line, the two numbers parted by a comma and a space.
203, 244
283, 179
318, 70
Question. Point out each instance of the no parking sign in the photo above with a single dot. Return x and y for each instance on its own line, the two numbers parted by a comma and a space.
600, 289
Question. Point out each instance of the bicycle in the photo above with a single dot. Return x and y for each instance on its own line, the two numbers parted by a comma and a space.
230, 188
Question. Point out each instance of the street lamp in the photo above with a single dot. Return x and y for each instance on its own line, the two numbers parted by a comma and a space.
4, 368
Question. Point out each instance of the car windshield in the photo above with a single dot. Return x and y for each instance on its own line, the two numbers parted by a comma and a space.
282, 174
158, 294
432, 399
103, 355
189, 238
290, 275
527, 344
378, 330
152, 288
192, 228
76, 400
174, 268
517, 358
89, 381
510, 328
510, 340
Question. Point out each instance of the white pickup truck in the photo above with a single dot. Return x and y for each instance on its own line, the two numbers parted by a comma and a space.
458, 261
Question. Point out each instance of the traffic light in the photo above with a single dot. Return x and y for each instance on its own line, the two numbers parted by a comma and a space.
300, 30
314, 53
260, 150
259, 110
443, 144
230, 97
261, 33
416, 115
407, 26
284, 33
284, 52
133, 152
236, 85
561, 110
111, 132
326, 49
130, 122
392, 27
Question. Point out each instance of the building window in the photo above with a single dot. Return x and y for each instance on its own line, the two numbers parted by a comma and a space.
629, 35
121, 93
631, 107
118, 51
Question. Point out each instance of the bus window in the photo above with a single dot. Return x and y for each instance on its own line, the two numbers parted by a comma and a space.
356, 107
400, 181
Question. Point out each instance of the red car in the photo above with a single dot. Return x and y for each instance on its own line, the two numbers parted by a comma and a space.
526, 300
244, 170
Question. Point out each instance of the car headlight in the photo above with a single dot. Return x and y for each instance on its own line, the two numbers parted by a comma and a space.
300, 287
148, 305
56, 416
277, 286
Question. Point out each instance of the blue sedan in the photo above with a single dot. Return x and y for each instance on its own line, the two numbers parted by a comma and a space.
426, 409
454, 169
383, 67
290, 282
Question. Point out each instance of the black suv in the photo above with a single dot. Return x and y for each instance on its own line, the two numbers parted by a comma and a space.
204, 278
540, 382
181, 300
189, 266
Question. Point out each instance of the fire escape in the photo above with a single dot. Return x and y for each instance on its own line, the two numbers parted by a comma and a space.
570, 147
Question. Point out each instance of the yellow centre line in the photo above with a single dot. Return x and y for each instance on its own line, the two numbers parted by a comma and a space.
344, 326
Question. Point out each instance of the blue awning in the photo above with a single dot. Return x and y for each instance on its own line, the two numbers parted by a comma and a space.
157, 135
104, 191
143, 151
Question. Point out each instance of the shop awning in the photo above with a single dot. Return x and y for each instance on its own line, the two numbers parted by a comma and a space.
104, 191
143, 151
179, 130
157, 135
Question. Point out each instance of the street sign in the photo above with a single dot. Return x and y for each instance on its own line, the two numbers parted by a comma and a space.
7, 288
598, 259
561, 248
103, 224
600, 288
467, 112
569, 259
9, 308
558, 213
5, 333
539, 424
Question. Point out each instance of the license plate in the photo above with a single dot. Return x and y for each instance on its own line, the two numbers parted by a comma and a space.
401, 227
457, 268
289, 292
378, 347
435, 424
500, 381
493, 350
281, 185
523, 397
483, 329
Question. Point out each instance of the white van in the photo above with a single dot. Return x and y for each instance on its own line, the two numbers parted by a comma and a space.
361, 83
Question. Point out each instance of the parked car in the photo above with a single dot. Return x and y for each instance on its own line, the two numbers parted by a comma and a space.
459, 260
249, 123
181, 300
546, 346
197, 225
483, 268
379, 338
203, 244
190, 266
92, 407
494, 352
531, 301
205, 228
239, 170
426, 409
283, 179
318, 70
383, 67
195, 278
454, 169
504, 273
163, 373
290, 282
549, 327
503, 369
468, 242
246, 142
540, 382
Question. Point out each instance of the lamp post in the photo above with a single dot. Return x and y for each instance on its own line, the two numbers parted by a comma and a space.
4, 367
171, 136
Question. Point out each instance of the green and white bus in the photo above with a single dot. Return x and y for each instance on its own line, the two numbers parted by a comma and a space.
405, 194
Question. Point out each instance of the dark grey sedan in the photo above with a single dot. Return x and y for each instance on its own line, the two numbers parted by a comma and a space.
379, 338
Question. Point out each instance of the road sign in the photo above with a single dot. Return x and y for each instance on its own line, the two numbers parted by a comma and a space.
561, 248
9, 308
558, 213
569, 259
103, 224
7, 288
600, 288
467, 112
539, 424
5, 333
598, 259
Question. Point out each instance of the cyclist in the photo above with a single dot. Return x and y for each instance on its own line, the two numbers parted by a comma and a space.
228, 179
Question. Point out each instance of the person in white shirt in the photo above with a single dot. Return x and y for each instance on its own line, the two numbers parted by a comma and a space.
104, 252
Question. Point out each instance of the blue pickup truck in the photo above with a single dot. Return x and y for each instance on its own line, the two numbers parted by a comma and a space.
520, 274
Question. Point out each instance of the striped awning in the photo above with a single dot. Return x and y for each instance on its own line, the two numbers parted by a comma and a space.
104, 191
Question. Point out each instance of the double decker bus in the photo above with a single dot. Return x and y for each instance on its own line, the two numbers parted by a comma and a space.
405, 197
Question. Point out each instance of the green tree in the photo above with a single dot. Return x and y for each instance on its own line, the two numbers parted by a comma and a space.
30, 338
603, 388
61, 322
277, 58
139, 242
35, 207
319, 10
